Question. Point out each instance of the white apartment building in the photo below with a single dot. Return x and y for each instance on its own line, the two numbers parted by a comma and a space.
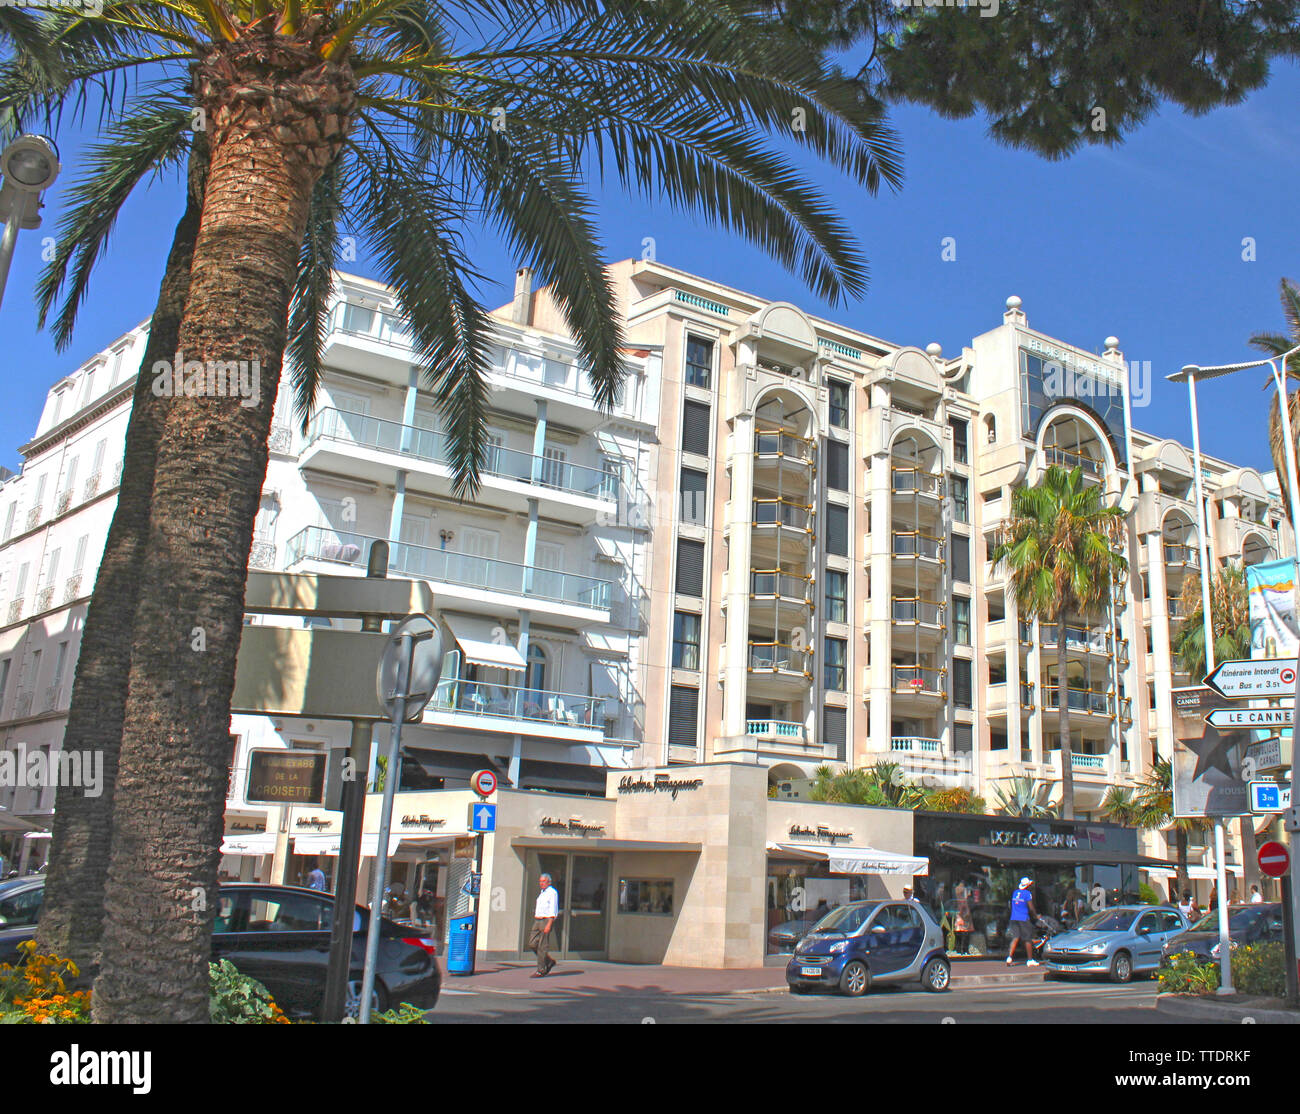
773, 551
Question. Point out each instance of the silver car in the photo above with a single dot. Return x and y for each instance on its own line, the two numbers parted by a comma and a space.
1116, 942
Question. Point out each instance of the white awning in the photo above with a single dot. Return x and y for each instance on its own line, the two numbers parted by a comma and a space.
860, 860
1206, 872
473, 634
257, 844
330, 844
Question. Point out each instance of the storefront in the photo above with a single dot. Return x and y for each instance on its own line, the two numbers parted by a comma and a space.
976, 863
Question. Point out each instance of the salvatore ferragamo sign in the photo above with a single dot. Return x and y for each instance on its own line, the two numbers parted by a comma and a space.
663, 783
820, 832
573, 824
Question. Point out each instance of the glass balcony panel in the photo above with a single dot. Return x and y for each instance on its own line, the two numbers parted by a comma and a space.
778, 656
515, 702
917, 611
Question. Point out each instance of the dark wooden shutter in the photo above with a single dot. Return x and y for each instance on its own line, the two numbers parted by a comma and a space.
690, 567
683, 716
695, 427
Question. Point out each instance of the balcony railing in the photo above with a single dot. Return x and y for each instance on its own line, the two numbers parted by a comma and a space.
1079, 700
919, 678
71, 588
23, 705
433, 445
63, 502
775, 728
280, 439
776, 443
1027, 694
908, 610
92, 486
33, 518
1094, 639
16, 610
916, 544
1186, 555
770, 584
50, 698
564, 709
915, 744
262, 555
1067, 459
772, 512
1087, 761
1174, 607
909, 481
779, 657
45, 598
423, 563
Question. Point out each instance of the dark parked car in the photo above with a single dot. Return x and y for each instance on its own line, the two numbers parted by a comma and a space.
870, 941
783, 937
1247, 924
280, 936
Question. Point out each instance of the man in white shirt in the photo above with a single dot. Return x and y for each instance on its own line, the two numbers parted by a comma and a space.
544, 914
1255, 896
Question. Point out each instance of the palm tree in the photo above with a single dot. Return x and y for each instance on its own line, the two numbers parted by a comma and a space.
1120, 807
1230, 608
1275, 344
1061, 550
1021, 796
1154, 802
386, 113
882, 785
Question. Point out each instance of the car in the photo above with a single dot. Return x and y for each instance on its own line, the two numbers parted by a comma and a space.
1247, 924
868, 942
1117, 943
278, 935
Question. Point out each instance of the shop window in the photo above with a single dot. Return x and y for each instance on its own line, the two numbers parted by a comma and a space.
837, 530
699, 362
646, 895
694, 490
839, 403
837, 596
683, 716
837, 465
696, 419
686, 640
690, 567
961, 620
961, 682
835, 730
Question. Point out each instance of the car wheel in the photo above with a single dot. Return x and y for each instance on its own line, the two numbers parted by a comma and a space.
1121, 967
352, 1003
855, 979
937, 975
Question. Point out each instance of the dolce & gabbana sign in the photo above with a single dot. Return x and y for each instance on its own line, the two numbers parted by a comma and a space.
1033, 839
662, 783
820, 832
573, 824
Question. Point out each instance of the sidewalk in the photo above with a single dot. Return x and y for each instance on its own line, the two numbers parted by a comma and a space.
1237, 1009
584, 976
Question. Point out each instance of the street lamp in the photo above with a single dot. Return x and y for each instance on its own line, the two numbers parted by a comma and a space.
1189, 375
29, 165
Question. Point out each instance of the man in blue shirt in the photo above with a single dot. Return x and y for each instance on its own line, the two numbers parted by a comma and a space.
1023, 914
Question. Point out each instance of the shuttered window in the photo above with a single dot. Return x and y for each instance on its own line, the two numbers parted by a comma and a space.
694, 483
961, 682
690, 567
835, 730
960, 546
683, 716
962, 739
837, 465
837, 530
695, 427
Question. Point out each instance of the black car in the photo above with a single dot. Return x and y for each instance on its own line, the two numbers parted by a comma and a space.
1247, 924
278, 935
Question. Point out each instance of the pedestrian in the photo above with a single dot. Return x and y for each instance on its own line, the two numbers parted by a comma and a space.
1185, 906
1255, 896
544, 914
1023, 914
962, 927
907, 893
316, 879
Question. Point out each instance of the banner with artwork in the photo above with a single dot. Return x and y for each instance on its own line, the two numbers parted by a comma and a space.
1274, 629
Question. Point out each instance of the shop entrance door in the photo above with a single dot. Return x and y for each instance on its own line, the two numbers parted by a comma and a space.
582, 882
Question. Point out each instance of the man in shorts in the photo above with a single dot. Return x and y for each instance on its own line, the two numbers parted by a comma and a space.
1023, 915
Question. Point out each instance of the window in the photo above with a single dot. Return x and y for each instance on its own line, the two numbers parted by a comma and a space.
4, 682
839, 403
962, 738
358, 319
961, 620
695, 427
694, 485
837, 465
690, 568
835, 730
960, 557
646, 895
837, 530
960, 499
835, 672
960, 449
686, 640
961, 682
699, 362
683, 716
9, 521
60, 663
244, 911
837, 596
536, 674
22, 908
555, 470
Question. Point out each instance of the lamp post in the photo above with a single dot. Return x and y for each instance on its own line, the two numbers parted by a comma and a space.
1190, 374
29, 165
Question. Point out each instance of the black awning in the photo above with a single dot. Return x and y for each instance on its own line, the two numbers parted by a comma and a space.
537, 774
1030, 856
420, 764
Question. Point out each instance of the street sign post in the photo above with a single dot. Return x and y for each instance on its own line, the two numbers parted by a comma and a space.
1269, 796
1275, 861
1250, 719
482, 818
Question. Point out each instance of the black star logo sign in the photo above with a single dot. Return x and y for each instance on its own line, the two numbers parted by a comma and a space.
1211, 752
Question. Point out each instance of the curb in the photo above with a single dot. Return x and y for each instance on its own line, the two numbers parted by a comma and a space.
1181, 1005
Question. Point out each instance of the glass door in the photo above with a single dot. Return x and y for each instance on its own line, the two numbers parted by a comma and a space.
588, 907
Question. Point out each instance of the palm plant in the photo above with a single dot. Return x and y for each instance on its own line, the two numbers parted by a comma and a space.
1154, 801
954, 800
401, 120
1275, 344
1022, 796
1230, 609
882, 785
1060, 548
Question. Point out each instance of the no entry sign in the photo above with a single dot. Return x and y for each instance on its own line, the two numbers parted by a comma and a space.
1274, 859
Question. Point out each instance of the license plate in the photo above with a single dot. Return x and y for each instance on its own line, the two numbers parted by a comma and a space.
810, 970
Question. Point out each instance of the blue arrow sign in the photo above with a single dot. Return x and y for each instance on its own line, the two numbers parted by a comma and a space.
483, 818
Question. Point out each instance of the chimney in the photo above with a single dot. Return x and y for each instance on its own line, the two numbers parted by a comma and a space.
522, 311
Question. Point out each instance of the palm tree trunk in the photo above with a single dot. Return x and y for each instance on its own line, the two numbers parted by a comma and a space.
1180, 843
1063, 723
278, 117
73, 910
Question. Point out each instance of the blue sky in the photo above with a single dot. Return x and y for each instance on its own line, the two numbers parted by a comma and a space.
1143, 241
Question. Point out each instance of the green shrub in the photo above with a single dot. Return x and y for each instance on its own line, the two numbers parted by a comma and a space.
1185, 975
235, 999
1147, 895
1260, 969
405, 1014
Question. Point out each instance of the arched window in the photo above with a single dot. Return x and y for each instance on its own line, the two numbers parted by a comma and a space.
991, 428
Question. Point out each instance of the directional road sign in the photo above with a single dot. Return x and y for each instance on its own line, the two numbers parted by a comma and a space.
1274, 859
1269, 796
482, 818
1246, 719
1241, 680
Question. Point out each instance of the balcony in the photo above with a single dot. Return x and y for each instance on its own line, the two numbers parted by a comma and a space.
917, 554
16, 610
372, 449
776, 729
45, 599
1183, 558
33, 518
781, 458
1092, 702
71, 588
499, 587
1052, 454
1092, 763
262, 555
911, 485
1079, 640
92, 486
918, 619
778, 657
914, 744
562, 716
784, 596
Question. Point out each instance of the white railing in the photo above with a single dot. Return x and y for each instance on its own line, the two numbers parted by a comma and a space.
775, 728
915, 743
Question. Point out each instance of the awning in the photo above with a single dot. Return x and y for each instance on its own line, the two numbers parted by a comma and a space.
1030, 856
257, 844
11, 823
473, 634
577, 843
1206, 872
535, 773
330, 844
858, 860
